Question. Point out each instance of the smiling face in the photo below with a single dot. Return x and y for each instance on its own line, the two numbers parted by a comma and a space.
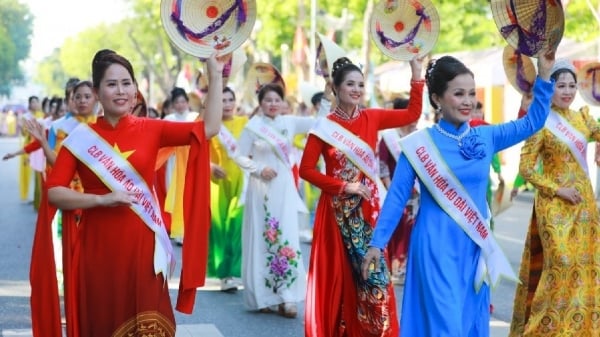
117, 91
351, 90
458, 101
565, 89
271, 104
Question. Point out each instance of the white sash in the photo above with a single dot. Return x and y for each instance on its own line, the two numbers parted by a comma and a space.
119, 175
354, 148
66, 125
452, 197
228, 140
570, 136
392, 141
278, 142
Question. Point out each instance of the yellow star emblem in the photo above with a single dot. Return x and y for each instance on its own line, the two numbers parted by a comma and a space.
124, 154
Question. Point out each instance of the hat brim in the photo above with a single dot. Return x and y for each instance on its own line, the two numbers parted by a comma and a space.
588, 78
191, 24
261, 73
527, 26
404, 29
519, 69
327, 53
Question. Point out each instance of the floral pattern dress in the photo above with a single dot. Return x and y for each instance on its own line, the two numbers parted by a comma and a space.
560, 268
272, 271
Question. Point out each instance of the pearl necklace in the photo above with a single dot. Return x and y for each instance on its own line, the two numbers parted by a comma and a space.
455, 137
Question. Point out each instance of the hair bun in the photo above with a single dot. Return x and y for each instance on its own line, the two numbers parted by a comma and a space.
339, 64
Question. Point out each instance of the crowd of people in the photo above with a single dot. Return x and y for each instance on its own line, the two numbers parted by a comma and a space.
120, 184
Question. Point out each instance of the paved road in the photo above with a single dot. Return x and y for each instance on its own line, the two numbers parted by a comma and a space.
221, 312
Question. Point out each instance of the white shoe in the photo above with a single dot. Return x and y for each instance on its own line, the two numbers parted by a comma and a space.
228, 285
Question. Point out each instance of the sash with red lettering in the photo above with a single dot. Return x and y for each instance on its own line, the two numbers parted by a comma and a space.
452, 197
119, 175
228, 140
354, 148
570, 136
278, 142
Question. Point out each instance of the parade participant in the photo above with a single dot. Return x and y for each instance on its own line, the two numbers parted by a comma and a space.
273, 274
122, 255
389, 152
176, 165
338, 301
227, 182
453, 257
563, 227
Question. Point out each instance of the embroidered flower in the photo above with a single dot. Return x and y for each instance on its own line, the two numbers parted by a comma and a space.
472, 147
282, 259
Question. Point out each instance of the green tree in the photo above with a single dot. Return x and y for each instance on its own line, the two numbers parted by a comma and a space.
15, 42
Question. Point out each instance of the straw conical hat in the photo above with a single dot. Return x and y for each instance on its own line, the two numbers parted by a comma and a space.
588, 78
519, 69
404, 29
261, 73
528, 26
235, 64
199, 27
307, 91
327, 53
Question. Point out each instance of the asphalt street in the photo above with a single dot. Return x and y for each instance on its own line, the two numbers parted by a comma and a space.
225, 312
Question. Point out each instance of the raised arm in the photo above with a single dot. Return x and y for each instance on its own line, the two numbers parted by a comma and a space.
214, 97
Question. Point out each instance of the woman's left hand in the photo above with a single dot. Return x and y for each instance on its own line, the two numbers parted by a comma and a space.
35, 129
371, 259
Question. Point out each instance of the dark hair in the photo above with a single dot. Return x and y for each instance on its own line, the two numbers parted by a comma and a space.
57, 102
561, 71
316, 98
229, 90
46, 104
152, 113
104, 59
478, 105
441, 71
165, 106
82, 84
400, 103
268, 88
71, 82
31, 98
341, 67
177, 92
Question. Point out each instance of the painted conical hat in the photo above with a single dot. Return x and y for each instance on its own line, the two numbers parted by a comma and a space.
327, 52
199, 27
519, 69
404, 29
262, 73
588, 78
529, 25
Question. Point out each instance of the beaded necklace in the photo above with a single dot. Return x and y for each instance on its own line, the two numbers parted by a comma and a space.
458, 138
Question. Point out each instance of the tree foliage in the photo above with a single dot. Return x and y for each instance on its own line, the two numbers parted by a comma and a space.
464, 25
15, 42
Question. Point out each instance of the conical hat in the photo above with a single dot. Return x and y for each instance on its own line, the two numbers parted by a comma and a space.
261, 73
404, 29
327, 53
307, 91
519, 69
588, 78
528, 26
199, 27
235, 64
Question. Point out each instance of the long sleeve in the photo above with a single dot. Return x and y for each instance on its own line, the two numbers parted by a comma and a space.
309, 171
243, 155
395, 201
391, 118
513, 132
527, 166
